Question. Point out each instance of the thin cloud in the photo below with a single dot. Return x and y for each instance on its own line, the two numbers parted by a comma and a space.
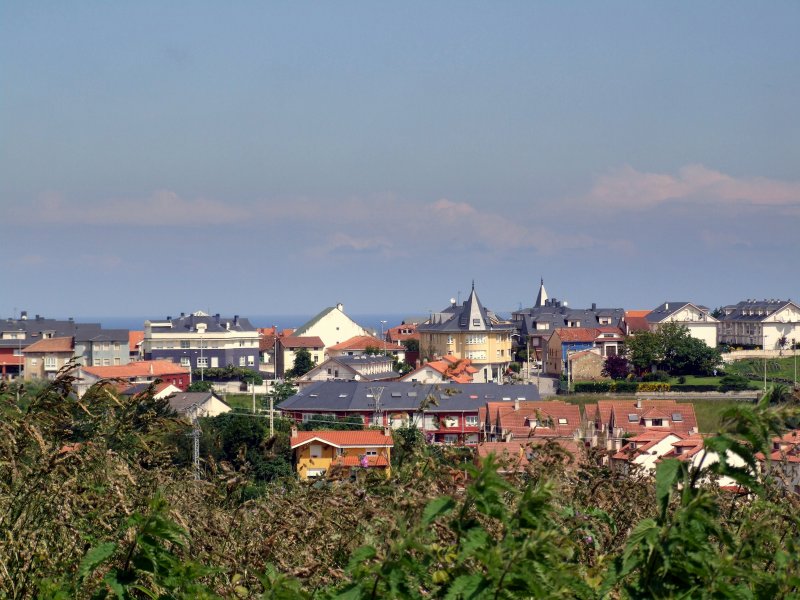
629, 188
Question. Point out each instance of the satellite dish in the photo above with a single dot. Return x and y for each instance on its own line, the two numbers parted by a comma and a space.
452, 300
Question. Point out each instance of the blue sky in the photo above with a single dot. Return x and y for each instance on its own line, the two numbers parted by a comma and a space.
279, 157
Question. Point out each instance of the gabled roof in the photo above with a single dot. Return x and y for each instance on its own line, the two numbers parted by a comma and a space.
636, 320
665, 310
293, 341
748, 310
362, 342
551, 418
56, 344
135, 339
458, 370
623, 410
184, 401
343, 439
577, 334
213, 324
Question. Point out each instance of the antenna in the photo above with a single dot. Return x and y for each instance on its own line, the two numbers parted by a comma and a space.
377, 392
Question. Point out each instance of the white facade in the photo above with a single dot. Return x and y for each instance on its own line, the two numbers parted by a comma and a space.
700, 324
332, 326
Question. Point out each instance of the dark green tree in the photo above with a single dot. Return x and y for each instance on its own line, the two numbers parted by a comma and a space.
302, 363
616, 366
200, 386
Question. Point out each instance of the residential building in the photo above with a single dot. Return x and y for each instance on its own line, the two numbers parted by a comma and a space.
446, 414
332, 326
587, 365
645, 451
45, 358
517, 455
636, 321
91, 343
402, 333
695, 317
200, 341
135, 340
761, 323
288, 347
352, 368
146, 371
783, 463
537, 323
449, 369
565, 341
317, 453
360, 344
198, 404
612, 421
470, 331
516, 420
161, 390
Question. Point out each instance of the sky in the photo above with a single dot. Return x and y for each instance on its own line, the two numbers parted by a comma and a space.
280, 157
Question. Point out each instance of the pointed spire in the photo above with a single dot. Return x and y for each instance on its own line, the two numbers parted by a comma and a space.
472, 314
542, 297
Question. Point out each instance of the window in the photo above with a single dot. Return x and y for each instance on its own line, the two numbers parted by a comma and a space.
476, 339
476, 322
371, 452
562, 421
106, 362
657, 422
202, 361
95, 362
251, 361
116, 346
185, 344
471, 420
117, 361
241, 361
184, 361
308, 417
49, 363
450, 339
316, 450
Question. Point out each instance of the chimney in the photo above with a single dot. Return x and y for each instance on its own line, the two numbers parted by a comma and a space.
639, 403
516, 403
294, 431
666, 306
23, 315
235, 320
387, 431
594, 306
183, 315
169, 318
38, 317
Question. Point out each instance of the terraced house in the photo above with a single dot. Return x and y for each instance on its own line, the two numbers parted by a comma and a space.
469, 331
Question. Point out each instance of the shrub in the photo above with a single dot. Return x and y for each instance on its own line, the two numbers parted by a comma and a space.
653, 386
733, 383
682, 379
656, 376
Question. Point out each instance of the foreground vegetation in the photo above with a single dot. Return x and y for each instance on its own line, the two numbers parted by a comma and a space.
96, 502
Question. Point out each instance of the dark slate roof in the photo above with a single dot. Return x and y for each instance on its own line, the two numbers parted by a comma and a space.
81, 332
741, 311
557, 316
356, 396
664, 310
214, 323
469, 316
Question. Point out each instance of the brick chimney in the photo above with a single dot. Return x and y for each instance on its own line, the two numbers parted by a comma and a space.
294, 431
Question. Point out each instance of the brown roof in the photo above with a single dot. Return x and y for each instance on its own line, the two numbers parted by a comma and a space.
361, 342
135, 338
302, 341
636, 320
140, 368
520, 452
459, 370
56, 344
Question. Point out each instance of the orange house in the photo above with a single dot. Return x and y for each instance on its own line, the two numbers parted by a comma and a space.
315, 452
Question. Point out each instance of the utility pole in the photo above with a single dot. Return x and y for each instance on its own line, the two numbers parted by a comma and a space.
272, 414
794, 353
195, 435
376, 394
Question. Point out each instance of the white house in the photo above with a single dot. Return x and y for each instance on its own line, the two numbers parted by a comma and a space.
696, 318
760, 323
332, 326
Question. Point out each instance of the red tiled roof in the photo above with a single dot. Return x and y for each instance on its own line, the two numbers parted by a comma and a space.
361, 342
636, 320
312, 341
359, 439
516, 452
518, 422
57, 344
393, 333
620, 409
643, 443
576, 334
355, 461
155, 368
459, 370
10, 360
135, 338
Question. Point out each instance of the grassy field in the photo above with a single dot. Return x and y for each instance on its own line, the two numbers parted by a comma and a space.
782, 368
243, 401
708, 412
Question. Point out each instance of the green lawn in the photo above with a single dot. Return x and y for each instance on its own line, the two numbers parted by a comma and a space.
244, 401
782, 368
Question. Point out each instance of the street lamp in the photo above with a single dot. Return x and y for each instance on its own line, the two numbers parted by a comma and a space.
794, 354
383, 341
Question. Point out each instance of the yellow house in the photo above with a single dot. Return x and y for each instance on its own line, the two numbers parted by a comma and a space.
315, 452
469, 331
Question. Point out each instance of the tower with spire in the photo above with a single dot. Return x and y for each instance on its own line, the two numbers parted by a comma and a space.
541, 298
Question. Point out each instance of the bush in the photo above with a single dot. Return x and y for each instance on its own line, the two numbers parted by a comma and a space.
682, 379
656, 376
515, 366
653, 386
695, 387
733, 383
626, 387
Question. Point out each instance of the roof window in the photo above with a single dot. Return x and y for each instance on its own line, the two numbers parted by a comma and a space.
633, 418
562, 421
677, 417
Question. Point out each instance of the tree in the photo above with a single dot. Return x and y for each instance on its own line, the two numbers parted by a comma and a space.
644, 349
783, 341
302, 363
372, 351
411, 345
200, 386
281, 391
616, 366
